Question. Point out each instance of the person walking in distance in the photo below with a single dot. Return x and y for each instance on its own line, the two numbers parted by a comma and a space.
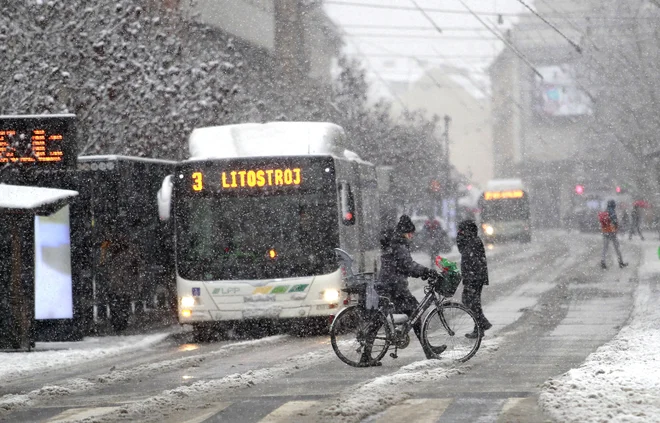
609, 227
635, 221
474, 269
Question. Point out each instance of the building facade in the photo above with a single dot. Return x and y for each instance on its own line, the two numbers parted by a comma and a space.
545, 125
298, 33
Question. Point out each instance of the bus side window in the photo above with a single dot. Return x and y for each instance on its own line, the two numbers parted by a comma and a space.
347, 204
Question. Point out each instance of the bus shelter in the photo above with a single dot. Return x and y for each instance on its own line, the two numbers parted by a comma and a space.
35, 262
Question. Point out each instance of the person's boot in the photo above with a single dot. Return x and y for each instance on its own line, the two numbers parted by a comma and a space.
473, 335
622, 264
438, 350
431, 355
486, 326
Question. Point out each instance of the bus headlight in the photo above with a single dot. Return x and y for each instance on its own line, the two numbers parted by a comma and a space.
330, 295
488, 230
187, 301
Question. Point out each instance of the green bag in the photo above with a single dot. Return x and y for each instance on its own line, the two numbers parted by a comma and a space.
451, 276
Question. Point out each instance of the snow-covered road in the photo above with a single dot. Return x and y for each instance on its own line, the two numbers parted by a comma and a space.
550, 304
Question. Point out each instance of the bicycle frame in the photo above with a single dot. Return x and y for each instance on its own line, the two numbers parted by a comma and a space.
430, 297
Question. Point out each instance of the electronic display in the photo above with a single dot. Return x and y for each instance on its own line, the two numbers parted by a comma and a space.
501, 195
252, 178
53, 289
39, 140
257, 176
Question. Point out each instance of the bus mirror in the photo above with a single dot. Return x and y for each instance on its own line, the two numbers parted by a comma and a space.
347, 204
165, 198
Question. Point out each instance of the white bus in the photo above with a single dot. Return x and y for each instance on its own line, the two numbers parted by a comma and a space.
504, 211
258, 210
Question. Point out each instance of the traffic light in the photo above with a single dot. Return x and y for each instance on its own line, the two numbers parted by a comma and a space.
579, 189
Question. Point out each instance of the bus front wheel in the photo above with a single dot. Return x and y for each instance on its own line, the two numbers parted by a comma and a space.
208, 332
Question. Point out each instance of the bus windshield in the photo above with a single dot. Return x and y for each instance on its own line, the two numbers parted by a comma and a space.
505, 210
256, 237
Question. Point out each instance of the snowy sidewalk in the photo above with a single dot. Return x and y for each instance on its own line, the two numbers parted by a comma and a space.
57, 355
620, 382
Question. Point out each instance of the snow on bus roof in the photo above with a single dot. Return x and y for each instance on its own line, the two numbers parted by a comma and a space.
267, 139
57, 115
115, 157
504, 184
27, 197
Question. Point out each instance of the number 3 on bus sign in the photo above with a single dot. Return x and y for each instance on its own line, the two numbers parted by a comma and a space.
198, 184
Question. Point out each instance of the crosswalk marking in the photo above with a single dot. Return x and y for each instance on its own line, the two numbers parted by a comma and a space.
418, 410
288, 411
212, 412
423, 410
510, 403
75, 414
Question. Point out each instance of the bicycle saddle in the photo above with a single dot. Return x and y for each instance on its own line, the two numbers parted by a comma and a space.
399, 319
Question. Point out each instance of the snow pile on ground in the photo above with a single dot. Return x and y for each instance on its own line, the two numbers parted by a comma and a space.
56, 355
620, 382
374, 396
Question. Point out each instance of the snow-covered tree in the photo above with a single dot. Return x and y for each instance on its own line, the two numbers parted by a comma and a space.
140, 77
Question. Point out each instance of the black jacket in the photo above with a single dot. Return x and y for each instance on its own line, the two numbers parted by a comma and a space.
473, 255
396, 263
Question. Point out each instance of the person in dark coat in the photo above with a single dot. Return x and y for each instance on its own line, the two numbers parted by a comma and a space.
635, 222
474, 269
397, 266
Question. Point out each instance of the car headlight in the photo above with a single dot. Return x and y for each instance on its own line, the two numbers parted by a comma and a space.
488, 229
187, 301
330, 295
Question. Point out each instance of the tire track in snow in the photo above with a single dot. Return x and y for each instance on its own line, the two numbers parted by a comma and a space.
197, 395
14, 402
373, 396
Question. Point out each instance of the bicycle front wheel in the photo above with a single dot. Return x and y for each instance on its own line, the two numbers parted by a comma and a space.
449, 326
360, 337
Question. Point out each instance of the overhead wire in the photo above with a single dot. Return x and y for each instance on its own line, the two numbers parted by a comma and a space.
426, 15
461, 12
507, 43
535, 13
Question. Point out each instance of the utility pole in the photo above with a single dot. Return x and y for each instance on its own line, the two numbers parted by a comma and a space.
446, 140
290, 38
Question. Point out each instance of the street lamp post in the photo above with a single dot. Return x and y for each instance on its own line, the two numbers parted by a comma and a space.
446, 140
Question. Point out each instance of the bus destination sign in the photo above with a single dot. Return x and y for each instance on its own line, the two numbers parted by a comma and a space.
39, 140
501, 195
248, 179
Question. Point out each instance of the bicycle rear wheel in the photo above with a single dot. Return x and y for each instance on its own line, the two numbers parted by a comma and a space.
360, 337
458, 322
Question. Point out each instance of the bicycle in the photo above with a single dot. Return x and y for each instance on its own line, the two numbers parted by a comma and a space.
362, 333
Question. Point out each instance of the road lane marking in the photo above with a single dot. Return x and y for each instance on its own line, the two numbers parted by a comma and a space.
215, 410
288, 411
418, 410
75, 414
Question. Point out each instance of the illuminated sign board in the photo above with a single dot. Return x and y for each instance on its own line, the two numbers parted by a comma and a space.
252, 178
41, 140
256, 176
501, 195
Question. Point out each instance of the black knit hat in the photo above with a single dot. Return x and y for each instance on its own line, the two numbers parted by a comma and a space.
405, 225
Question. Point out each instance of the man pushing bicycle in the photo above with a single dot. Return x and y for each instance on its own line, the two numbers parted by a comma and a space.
397, 266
